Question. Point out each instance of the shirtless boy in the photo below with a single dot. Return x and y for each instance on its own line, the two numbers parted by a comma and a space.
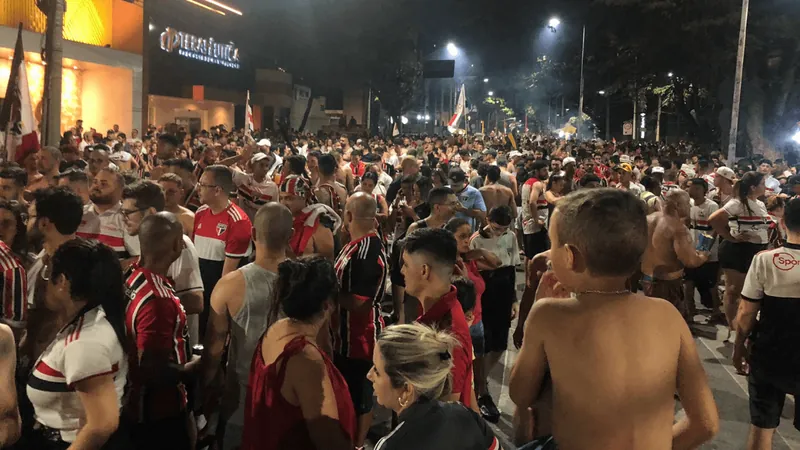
670, 248
615, 358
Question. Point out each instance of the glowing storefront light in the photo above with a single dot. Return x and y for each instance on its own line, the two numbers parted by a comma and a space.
70, 90
201, 49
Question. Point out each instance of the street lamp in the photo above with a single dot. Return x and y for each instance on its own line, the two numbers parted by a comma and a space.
485, 80
601, 92
427, 117
452, 49
552, 25
670, 74
491, 93
419, 117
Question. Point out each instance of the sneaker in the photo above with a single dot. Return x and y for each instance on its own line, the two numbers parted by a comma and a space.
489, 410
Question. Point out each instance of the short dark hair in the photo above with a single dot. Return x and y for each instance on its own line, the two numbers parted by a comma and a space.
500, 215
465, 292
169, 139
327, 164
539, 164
61, 206
180, 163
223, 177
765, 161
437, 245
700, 182
791, 215
493, 174
439, 195
15, 173
303, 286
171, 177
589, 178
616, 215
296, 164
146, 193
703, 164
649, 182
74, 175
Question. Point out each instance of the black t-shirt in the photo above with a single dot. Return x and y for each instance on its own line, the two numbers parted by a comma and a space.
772, 281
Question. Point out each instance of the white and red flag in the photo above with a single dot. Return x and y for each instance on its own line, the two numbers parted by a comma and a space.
248, 120
16, 116
461, 108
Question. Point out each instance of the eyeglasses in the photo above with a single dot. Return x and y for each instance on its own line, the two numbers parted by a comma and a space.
126, 213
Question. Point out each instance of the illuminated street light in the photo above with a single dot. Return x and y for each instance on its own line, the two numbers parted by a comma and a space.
670, 74
491, 93
452, 49
601, 92
796, 137
427, 117
554, 23
419, 117
485, 80
404, 119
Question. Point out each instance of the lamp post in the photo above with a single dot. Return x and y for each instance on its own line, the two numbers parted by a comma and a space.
553, 26
608, 113
737, 84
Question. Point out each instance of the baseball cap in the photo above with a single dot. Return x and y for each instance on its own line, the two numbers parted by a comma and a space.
457, 176
624, 159
514, 154
258, 157
624, 166
568, 160
727, 173
264, 143
657, 169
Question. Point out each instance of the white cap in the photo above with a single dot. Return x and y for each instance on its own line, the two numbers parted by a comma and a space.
624, 159
657, 169
727, 173
264, 143
514, 154
258, 157
568, 160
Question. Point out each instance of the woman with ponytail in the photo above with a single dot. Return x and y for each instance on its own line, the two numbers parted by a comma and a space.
298, 399
743, 223
77, 384
411, 376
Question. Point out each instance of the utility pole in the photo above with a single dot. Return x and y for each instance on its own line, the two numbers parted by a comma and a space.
580, 102
608, 116
53, 51
658, 120
737, 85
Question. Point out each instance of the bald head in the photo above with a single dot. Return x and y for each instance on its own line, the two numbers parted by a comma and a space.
273, 226
362, 205
158, 234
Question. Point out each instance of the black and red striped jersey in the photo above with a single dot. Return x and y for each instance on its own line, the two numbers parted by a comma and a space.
156, 323
13, 288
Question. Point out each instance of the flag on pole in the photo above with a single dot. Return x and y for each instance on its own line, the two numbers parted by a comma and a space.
248, 121
16, 117
461, 106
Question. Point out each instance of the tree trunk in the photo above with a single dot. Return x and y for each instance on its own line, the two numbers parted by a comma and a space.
305, 114
755, 129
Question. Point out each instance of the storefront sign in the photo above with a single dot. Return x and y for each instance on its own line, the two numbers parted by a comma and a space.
201, 49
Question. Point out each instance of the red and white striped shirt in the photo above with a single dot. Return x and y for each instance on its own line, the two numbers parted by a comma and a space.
108, 228
13, 288
156, 322
85, 348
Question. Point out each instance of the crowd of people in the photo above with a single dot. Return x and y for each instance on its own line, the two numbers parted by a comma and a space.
216, 289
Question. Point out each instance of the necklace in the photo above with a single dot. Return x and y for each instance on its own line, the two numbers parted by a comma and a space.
597, 292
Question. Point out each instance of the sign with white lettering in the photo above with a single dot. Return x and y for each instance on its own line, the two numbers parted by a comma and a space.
201, 49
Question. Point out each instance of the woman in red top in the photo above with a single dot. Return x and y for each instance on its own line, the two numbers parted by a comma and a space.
467, 266
298, 399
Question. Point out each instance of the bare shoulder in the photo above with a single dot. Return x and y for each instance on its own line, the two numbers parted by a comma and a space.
308, 364
186, 212
7, 342
665, 310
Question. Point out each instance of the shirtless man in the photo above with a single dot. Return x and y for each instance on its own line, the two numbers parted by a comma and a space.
495, 194
330, 192
174, 193
344, 175
10, 421
670, 248
634, 352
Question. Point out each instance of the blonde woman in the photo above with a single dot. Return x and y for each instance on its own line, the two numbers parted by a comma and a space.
411, 373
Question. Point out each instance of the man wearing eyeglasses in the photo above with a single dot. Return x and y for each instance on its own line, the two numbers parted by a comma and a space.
498, 238
145, 198
222, 231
